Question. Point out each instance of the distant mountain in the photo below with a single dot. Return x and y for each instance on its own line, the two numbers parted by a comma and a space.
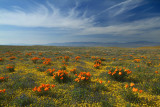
18, 44
96, 44
76, 44
113, 44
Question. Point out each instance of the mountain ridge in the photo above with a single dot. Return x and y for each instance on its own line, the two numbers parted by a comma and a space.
95, 44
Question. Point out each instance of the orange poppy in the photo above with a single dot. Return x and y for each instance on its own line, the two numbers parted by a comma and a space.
88, 74
132, 84
52, 86
109, 72
140, 91
61, 74
46, 89
43, 85
156, 72
35, 88
77, 79
47, 85
120, 73
82, 78
39, 90
100, 81
126, 86
134, 89
1, 78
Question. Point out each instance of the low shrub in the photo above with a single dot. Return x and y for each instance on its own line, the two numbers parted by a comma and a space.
83, 78
119, 73
10, 68
61, 76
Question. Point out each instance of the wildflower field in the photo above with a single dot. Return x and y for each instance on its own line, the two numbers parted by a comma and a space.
48, 76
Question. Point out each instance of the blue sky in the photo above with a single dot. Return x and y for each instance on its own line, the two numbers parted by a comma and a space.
57, 21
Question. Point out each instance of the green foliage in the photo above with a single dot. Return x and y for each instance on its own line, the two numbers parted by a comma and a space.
156, 88
64, 67
41, 68
22, 101
80, 94
130, 96
100, 87
2, 96
23, 82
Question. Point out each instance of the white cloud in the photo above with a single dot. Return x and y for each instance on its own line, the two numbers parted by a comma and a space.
43, 17
122, 7
126, 29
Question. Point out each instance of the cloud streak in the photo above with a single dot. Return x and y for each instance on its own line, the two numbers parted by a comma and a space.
126, 29
122, 7
43, 17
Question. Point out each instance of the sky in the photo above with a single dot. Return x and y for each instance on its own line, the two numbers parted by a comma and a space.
58, 21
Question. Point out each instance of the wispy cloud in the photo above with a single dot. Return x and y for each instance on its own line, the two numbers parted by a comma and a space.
122, 7
42, 16
126, 29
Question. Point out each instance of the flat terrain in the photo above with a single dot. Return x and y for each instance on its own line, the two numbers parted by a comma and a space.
51, 76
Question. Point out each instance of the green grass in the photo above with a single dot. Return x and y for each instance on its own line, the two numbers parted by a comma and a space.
96, 92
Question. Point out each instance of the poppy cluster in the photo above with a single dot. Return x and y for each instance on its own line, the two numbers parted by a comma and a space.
64, 67
113, 59
59, 57
133, 88
28, 54
156, 72
137, 60
77, 58
66, 58
93, 57
41, 68
40, 53
3, 79
47, 61
12, 58
131, 55
61, 76
73, 70
1, 59
102, 59
144, 57
119, 73
10, 68
3, 91
83, 77
35, 59
149, 63
50, 72
43, 58
97, 64
44, 88
98, 61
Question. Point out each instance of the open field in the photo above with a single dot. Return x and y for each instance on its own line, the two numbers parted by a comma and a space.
79, 76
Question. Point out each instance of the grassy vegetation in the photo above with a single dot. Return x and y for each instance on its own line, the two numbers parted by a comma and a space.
79, 76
